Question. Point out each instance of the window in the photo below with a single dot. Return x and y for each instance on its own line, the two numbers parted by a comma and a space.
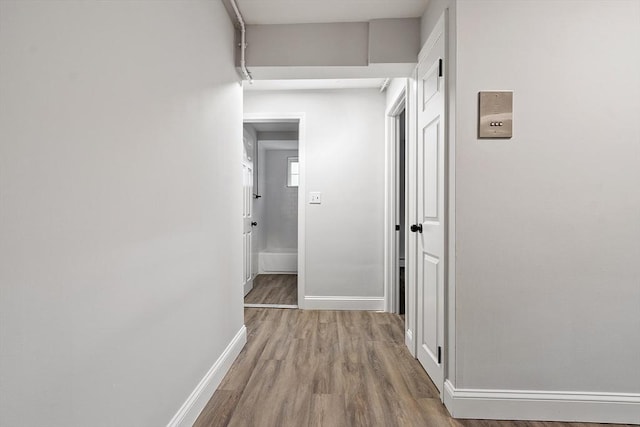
293, 172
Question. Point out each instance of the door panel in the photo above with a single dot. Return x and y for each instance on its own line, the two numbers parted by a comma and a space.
430, 174
430, 168
429, 305
431, 86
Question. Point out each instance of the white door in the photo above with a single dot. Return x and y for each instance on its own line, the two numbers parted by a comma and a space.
430, 227
248, 224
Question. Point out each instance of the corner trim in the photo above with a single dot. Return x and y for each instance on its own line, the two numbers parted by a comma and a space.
542, 405
344, 303
248, 287
197, 400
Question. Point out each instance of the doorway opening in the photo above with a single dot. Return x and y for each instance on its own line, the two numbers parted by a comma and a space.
274, 257
400, 208
396, 209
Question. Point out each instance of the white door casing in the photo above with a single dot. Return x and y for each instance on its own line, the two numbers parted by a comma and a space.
411, 252
392, 196
431, 263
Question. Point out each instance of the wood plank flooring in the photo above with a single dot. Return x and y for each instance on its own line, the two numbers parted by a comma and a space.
274, 289
332, 369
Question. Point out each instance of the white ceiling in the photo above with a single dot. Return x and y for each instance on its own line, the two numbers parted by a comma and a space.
313, 84
316, 11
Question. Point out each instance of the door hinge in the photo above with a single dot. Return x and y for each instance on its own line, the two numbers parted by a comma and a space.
397, 228
439, 355
440, 67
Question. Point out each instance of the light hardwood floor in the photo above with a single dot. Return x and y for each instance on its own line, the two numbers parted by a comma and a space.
274, 289
333, 369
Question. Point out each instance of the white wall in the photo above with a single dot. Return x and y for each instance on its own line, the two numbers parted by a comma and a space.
280, 223
119, 178
548, 222
345, 161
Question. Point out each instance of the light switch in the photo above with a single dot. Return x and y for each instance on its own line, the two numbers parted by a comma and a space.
495, 115
315, 197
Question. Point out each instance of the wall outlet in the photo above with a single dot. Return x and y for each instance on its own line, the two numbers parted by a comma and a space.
315, 197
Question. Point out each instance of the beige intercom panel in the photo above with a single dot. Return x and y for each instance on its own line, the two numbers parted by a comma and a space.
495, 115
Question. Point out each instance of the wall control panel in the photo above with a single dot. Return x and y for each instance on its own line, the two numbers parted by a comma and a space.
315, 197
495, 114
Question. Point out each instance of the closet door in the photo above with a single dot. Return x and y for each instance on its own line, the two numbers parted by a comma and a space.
430, 226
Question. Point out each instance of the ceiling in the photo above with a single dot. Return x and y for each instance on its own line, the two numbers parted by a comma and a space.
262, 12
313, 84
316, 11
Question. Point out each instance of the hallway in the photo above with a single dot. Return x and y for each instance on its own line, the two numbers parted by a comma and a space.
279, 289
330, 368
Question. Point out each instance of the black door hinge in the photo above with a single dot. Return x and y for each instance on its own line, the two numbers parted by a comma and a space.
439, 355
440, 68
397, 228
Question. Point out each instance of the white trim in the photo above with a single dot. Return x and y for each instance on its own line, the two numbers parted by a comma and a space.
249, 285
277, 272
300, 118
450, 132
542, 405
197, 400
390, 235
270, 306
408, 340
410, 318
344, 303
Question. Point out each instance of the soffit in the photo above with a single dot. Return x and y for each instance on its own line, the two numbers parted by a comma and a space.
261, 12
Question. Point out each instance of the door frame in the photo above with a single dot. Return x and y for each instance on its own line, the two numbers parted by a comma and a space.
406, 99
391, 195
300, 118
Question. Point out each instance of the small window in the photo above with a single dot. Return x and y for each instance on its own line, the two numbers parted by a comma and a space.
293, 172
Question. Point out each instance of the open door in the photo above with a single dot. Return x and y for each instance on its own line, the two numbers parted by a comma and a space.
247, 219
430, 226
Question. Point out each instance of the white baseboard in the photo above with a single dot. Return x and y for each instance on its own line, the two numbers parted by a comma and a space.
542, 405
408, 341
290, 306
343, 303
248, 287
278, 272
197, 400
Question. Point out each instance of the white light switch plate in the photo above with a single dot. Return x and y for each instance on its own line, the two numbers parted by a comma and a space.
315, 197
